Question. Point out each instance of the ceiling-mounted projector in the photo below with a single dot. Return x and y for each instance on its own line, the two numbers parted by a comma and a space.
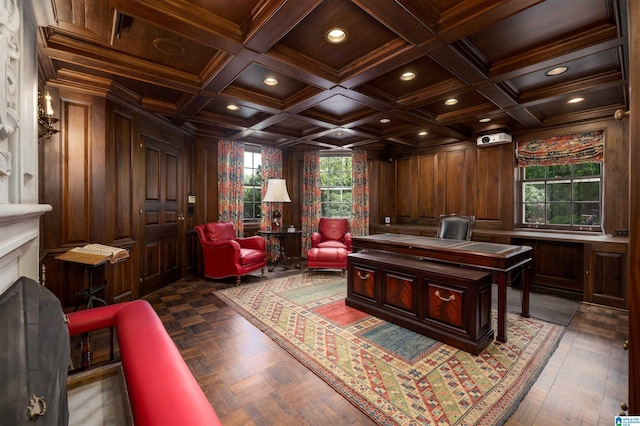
494, 139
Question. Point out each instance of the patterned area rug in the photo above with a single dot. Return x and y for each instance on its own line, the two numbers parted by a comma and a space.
392, 374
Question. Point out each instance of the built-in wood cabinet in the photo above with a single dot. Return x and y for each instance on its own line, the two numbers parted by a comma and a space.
606, 274
558, 267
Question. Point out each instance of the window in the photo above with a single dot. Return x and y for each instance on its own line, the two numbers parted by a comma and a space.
567, 196
335, 186
252, 185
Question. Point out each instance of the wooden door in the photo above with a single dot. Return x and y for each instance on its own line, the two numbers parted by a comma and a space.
163, 216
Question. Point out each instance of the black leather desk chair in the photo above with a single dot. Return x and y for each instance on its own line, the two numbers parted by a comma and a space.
455, 226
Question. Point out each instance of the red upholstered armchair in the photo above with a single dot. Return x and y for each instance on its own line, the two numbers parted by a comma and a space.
226, 255
332, 232
330, 245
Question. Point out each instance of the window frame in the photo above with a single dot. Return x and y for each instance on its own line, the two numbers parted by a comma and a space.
345, 206
570, 180
256, 170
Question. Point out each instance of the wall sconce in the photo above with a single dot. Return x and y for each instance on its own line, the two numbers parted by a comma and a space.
45, 118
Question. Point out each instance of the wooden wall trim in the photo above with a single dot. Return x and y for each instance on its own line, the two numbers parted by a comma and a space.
634, 186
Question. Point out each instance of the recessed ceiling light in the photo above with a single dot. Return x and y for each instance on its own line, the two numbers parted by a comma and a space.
451, 101
270, 81
556, 71
484, 120
385, 120
232, 107
575, 100
339, 133
408, 76
423, 133
336, 35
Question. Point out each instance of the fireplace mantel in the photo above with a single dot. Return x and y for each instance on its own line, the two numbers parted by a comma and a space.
19, 251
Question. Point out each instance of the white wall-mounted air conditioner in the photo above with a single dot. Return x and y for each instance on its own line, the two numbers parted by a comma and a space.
494, 139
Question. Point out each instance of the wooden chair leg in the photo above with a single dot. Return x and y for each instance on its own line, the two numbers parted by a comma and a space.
238, 278
262, 272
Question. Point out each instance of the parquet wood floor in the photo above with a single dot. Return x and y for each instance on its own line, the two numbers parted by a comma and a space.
250, 380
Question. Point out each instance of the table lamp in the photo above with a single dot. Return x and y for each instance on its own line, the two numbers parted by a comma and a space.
276, 193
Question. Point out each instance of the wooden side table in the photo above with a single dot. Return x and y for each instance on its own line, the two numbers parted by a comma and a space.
283, 256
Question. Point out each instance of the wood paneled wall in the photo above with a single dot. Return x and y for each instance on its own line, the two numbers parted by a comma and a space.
90, 174
482, 181
206, 183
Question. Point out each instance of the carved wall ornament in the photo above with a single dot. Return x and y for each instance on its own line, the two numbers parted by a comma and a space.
9, 56
9, 67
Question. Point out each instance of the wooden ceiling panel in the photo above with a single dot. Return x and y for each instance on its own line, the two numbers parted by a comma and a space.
219, 107
386, 125
364, 34
294, 127
544, 23
598, 63
158, 45
427, 72
84, 19
253, 79
466, 101
338, 108
186, 60
592, 100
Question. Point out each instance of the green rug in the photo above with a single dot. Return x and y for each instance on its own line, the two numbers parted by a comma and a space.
392, 374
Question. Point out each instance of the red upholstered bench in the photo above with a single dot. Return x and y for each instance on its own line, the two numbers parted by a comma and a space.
160, 386
327, 258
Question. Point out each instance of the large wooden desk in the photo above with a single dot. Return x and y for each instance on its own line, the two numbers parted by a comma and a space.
500, 259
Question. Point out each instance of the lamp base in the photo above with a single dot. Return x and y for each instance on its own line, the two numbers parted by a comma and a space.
275, 220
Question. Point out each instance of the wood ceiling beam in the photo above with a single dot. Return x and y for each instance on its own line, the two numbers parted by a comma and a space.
274, 19
416, 25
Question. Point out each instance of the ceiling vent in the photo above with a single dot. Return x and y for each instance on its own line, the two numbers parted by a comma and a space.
496, 138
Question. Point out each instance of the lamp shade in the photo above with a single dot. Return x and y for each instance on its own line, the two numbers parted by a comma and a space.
277, 191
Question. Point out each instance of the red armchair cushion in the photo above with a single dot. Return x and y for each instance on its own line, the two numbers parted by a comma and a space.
249, 256
331, 244
220, 232
327, 258
332, 233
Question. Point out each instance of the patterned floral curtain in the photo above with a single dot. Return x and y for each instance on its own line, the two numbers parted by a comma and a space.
271, 169
359, 193
230, 183
569, 149
311, 203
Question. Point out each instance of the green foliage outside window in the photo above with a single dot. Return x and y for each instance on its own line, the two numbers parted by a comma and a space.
335, 186
567, 195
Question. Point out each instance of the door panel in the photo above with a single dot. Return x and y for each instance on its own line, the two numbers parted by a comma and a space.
162, 222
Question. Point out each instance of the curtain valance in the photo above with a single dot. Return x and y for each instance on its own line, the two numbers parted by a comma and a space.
568, 149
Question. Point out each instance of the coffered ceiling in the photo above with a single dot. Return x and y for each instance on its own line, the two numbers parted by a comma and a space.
187, 60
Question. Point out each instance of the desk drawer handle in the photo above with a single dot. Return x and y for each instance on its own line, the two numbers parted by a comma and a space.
366, 277
448, 299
